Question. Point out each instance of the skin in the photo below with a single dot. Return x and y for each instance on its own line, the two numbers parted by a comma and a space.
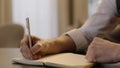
100, 50
43, 47
103, 51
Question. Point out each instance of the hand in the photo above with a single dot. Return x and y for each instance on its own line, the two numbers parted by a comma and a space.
43, 47
103, 51
39, 49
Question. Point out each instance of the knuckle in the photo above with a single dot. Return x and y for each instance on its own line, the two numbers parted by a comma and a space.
90, 58
92, 46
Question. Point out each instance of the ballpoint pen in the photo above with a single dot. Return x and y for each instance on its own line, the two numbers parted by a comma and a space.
28, 30
29, 35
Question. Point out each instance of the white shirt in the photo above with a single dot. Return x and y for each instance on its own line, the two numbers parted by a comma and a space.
94, 25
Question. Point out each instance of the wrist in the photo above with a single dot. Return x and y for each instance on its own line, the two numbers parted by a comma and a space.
64, 44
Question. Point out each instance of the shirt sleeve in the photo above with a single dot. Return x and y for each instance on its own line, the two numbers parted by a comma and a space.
94, 24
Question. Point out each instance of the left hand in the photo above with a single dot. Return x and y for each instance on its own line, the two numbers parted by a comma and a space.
103, 51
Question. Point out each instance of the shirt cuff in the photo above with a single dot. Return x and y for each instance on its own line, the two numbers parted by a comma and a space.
80, 40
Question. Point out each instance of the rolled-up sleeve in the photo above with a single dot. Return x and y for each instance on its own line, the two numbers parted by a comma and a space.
94, 24
79, 39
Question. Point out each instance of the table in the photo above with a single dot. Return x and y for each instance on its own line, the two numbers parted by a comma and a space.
6, 55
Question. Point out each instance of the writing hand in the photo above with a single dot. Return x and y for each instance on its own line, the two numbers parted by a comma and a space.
40, 48
24, 48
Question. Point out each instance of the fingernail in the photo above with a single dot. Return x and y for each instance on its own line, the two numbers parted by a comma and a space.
35, 48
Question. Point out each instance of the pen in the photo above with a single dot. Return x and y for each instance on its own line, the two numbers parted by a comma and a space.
28, 30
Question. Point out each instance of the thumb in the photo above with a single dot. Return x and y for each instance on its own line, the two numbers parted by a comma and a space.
36, 48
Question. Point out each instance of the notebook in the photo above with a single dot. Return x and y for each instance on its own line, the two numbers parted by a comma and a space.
65, 60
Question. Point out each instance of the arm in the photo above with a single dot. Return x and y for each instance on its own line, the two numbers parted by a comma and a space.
94, 25
75, 40
57, 45
43, 47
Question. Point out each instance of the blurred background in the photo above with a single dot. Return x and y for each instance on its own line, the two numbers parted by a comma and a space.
48, 18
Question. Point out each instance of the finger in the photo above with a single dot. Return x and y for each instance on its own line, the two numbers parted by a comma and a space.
23, 53
35, 39
24, 41
26, 52
90, 56
36, 48
37, 56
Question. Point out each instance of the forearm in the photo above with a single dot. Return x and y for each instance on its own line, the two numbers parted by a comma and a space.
63, 43
66, 43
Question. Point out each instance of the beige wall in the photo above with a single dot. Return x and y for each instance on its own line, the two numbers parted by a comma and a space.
79, 16
5, 11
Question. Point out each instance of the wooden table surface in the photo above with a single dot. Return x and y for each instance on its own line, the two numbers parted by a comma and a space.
6, 55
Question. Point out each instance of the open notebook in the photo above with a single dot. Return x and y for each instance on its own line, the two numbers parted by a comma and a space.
66, 60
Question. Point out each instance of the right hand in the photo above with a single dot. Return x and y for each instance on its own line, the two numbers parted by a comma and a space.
43, 47
40, 47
